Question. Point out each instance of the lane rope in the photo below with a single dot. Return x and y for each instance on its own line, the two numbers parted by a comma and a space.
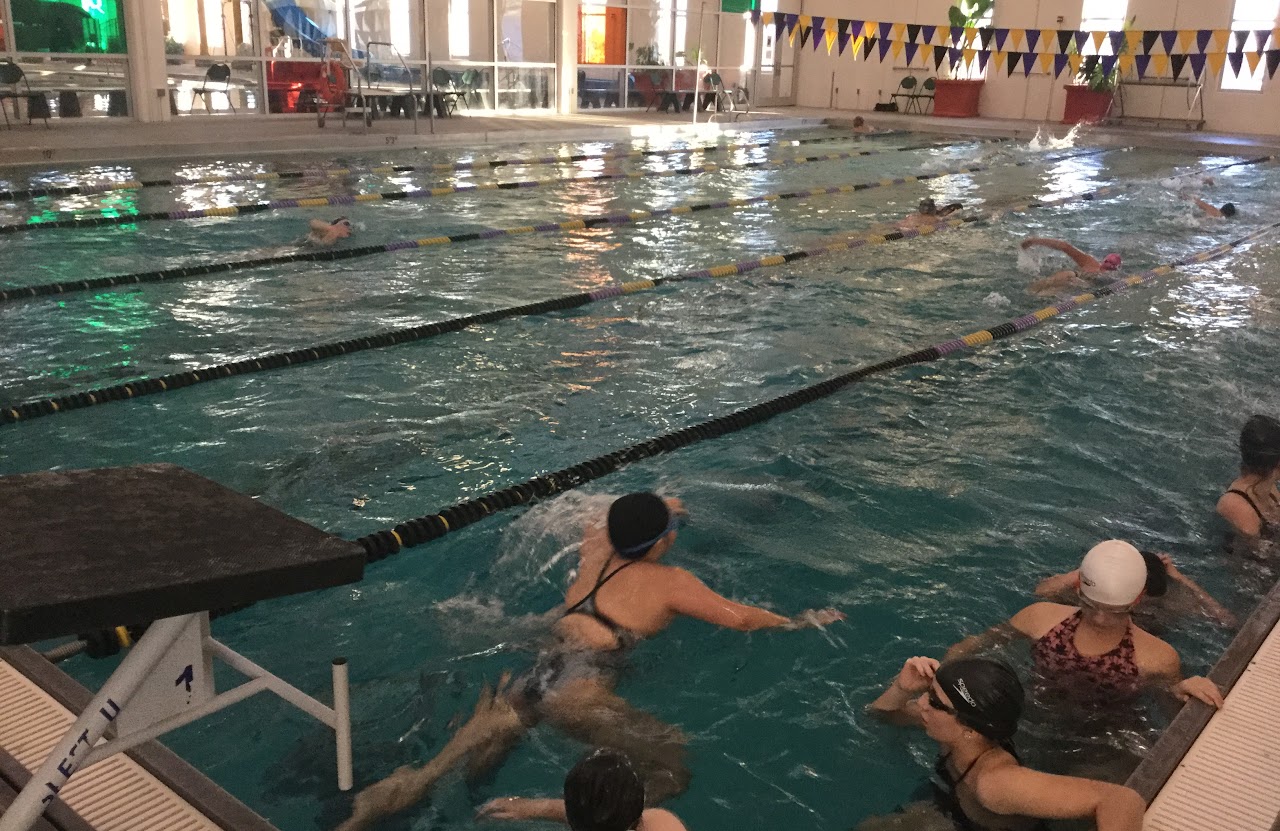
316, 172
37, 408
423, 529
10, 295
249, 208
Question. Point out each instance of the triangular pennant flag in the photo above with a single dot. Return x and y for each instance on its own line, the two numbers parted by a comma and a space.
1108, 63
805, 21
867, 45
1197, 65
1081, 39
939, 55
957, 32
1016, 38
766, 18
954, 55
1046, 62
983, 57
844, 38
791, 20
898, 29
1059, 64
1011, 62
1186, 39
1260, 40
1149, 40
779, 24
755, 16
1047, 36
1202, 39
1126, 64
1098, 38
912, 49
1239, 38
970, 34
969, 56
884, 48
830, 37
1090, 64
791, 37
1273, 61
1219, 42
1116, 39
1001, 36
1074, 61
928, 32
1064, 41
1028, 62
804, 35
1141, 62
1033, 38
1217, 59
1253, 59
895, 47
1133, 39
1177, 63
885, 29
984, 36
870, 28
1160, 65
842, 26
1167, 40
819, 25
913, 32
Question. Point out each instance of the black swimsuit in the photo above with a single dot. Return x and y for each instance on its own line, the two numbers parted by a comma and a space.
587, 606
1266, 528
948, 800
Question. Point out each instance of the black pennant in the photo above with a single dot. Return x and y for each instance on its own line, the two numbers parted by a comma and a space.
913, 32
1012, 59
1241, 37
842, 26
867, 46
1273, 62
1064, 41
1149, 39
940, 55
804, 35
1178, 62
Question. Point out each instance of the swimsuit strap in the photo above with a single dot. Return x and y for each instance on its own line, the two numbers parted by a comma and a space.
971, 765
1249, 499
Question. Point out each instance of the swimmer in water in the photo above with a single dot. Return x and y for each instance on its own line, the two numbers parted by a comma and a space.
1162, 577
860, 125
1088, 270
1092, 654
971, 708
928, 213
1252, 502
622, 594
323, 234
1227, 211
603, 792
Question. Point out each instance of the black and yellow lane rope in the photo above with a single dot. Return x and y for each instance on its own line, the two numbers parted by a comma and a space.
424, 529
346, 199
454, 167
13, 294
38, 408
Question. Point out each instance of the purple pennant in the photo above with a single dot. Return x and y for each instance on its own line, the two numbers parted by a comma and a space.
1108, 64
884, 48
1033, 38
755, 16
1028, 62
779, 23
1081, 39
842, 43
956, 55
1240, 39
855, 27
1236, 59
1142, 62
1059, 64
819, 24
1261, 36
1197, 65
1168, 39
1117, 41
818, 38
885, 29
911, 50
1203, 36
1001, 36
791, 21
1273, 62
983, 56
930, 31
957, 33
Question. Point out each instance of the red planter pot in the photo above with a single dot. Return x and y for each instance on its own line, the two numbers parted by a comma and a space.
956, 99
1083, 104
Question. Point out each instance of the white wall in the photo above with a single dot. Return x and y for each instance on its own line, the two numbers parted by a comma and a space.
859, 84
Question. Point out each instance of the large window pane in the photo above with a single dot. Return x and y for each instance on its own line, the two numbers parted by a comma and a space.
76, 87
602, 33
699, 37
209, 27
649, 41
69, 25
521, 88
194, 88
736, 34
527, 32
305, 24
398, 22
461, 29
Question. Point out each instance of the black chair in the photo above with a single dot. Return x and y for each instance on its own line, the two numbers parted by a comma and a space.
906, 90
218, 73
926, 94
10, 76
444, 91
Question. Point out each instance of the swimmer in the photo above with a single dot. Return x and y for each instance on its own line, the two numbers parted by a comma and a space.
1227, 211
860, 125
1252, 502
1088, 269
323, 234
928, 213
971, 708
603, 792
1092, 653
1162, 575
622, 594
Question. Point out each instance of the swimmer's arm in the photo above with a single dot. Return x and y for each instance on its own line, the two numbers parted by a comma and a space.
1206, 207
1202, 598
1021, 791
319, 226
995, 637
1079, 257
690, 597
520, 808
1163, 668
1059, 586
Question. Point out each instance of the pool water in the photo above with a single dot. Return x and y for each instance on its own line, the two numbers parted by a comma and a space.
925, 503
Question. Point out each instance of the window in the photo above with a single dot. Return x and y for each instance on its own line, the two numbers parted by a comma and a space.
1251, 15
1102, 16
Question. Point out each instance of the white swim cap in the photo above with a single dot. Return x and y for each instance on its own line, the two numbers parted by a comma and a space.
1113, 573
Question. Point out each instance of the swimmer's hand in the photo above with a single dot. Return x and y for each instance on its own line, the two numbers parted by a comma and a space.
916, 675
676, 506
816, 618
516, 808
1201, 689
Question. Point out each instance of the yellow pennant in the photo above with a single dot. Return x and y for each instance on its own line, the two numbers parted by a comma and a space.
1253, 59
1218, 42
1049, 40
969, 34
1016, 38
805, 20
1275, 38
766, 18
1074, 61
1133, 37
857, 47
791, 36
895, 49
830, 37
1125, 63
870, 28
1216, 60
1098, 38
969, 55
1159, 65
897, 31
1046, 62
1186, 37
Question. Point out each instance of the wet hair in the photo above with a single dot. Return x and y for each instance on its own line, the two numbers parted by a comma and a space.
1228, 209
928, 207
951, 208
859, 121
987, 696
603, 792
637, 522
1157, 575
339, 220
1260, 445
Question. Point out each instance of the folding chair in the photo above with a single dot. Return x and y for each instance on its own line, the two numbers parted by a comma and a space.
906, 89
442, 86
926, 94
10, 76
218, 73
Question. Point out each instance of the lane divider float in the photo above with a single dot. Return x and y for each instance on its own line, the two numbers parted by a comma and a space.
423, 529
16, 293
317, 172
346, 199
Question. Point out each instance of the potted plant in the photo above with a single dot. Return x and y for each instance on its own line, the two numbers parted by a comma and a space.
1089, 97
958, 97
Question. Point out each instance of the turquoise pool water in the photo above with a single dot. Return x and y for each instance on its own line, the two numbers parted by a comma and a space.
925, 503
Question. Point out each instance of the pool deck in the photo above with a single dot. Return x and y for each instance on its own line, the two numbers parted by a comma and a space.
109, 140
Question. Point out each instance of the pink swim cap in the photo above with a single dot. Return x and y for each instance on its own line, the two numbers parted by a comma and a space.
1111, 262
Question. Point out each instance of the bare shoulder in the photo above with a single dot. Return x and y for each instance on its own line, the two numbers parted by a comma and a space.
1036, 620
1153, 655
1236, 510
658, 819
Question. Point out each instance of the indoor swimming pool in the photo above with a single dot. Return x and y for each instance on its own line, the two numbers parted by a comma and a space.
924, 502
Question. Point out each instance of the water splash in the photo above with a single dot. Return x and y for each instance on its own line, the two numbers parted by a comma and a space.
1045, 140
1031, 260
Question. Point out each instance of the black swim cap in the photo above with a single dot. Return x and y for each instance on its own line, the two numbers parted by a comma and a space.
986, 695
603, 792
1228, 209
1157, 575
928, 206
636, 522
1260, 445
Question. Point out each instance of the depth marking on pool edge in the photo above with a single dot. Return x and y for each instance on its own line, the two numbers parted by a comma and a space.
11, 295
36, 408
382, 544
249, 208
